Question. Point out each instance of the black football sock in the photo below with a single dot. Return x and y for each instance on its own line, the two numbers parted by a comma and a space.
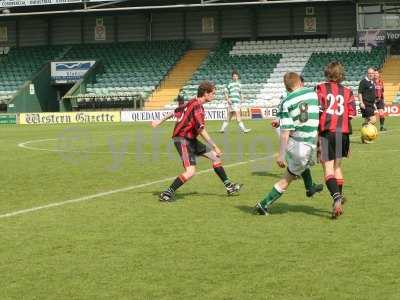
333, 188
340, 183
178, 182
382, 121
220, 171
308, 182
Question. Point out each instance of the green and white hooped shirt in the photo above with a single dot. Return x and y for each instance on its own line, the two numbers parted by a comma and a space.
234, 89
299, 113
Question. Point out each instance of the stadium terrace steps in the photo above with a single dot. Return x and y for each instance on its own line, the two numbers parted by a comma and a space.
391, 78
176, 79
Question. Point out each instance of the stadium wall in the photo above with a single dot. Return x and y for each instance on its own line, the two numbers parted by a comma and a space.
267, 21
66, 30
132, 27
37, 95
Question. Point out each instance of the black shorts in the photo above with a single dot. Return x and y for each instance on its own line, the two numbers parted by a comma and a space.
368, 111
188, 149
380, 104
333, 145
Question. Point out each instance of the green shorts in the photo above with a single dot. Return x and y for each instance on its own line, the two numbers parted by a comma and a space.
300, 156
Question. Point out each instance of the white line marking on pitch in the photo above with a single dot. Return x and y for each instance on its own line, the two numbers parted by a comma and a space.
26, 144
103, 194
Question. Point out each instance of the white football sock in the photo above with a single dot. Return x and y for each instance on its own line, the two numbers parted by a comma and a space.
224, 125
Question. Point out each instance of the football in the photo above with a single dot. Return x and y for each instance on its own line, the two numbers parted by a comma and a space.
369, 132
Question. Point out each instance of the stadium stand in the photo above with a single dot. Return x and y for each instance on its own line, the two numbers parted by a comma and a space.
263, 63
391, 78
131, 70
254, 70
20, 64
173, 83
356, 64
397, 98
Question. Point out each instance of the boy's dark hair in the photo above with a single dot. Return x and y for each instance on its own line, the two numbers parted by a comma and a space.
235, 72
205, 87
180, 99
334, 71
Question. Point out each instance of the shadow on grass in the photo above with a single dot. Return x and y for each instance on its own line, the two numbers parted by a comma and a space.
183, 196
283, 208
357, 142
267, 174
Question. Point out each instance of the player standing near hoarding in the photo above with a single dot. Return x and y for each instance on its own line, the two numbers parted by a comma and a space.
189, 125
234, 97
366, 96
380, 99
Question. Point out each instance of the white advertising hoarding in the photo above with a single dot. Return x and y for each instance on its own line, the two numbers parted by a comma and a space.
151, 115
69, 71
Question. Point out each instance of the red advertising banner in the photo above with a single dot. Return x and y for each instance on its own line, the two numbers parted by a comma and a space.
270, 112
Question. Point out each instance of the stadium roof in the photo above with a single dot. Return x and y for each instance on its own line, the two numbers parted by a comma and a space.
43, 7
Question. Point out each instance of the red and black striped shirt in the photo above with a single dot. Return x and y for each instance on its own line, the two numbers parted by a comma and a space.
379, 89
337, 105
189, 119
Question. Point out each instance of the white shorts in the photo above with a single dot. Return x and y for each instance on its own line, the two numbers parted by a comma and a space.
234, 107
300, 156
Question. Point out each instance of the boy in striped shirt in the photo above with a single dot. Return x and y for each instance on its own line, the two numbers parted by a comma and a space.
337, 108
234, 97
299, 120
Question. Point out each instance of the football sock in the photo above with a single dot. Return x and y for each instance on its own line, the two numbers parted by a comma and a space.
308, 182
220, 171
333, 187
241, 125
178, 182
273, 195
340, 182
224, 125
382, 121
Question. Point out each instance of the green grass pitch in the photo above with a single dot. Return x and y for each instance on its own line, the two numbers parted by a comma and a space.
122, 243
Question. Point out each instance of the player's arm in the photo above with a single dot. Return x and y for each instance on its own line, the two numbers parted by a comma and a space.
156, 123
275, 123
287, 125
284, 138
227, 96
241, 95
200, 127
351, 104
204, 134
360, 97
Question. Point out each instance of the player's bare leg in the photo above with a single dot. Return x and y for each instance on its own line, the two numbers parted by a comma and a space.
168, 195
231, 187
382, 119
241, 125
226, 123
